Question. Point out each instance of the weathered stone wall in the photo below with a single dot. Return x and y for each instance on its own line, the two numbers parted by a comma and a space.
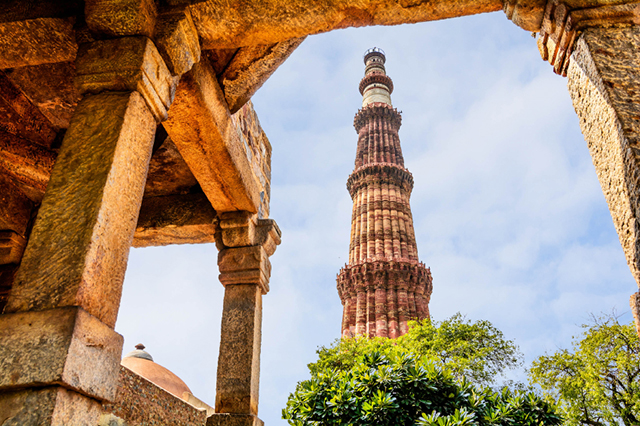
141, 403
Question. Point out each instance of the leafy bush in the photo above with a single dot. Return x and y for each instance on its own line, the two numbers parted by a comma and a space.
406, 389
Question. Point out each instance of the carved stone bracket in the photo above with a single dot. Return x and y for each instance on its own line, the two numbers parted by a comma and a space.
242, 229
246, 243
561, 27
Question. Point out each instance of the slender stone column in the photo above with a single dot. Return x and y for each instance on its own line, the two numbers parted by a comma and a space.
603, 79
247, 243
59, 354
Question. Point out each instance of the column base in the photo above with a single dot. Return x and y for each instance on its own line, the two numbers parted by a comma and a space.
224, 419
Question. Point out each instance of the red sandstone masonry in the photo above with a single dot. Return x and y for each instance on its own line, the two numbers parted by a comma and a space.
384, 285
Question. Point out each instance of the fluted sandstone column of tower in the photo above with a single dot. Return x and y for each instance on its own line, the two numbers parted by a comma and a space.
384, 285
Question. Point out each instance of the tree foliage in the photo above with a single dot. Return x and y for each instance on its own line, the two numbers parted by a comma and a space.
475, 350
417, 379
597, 382
402, 390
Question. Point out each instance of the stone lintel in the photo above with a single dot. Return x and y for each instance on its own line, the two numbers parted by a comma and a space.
126, 64
177, 40
239, 359
12, 246
237, 23
28, 165
77, 252
225, 419
245, 265
62, 346
51, 406
201, 127
175, 219
121, 17
250, 67
603, 78
37, 41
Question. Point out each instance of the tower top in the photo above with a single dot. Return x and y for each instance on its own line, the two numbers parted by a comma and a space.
375, 86
374, 51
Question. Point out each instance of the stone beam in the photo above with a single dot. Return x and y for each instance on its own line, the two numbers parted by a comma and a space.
250, 67
28, 165
238, 23
37, 41
201, 126
175, 219
603, 80
20, 117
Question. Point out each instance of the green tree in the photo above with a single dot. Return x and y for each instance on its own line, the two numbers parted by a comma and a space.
475, 350
597, 382
404, 390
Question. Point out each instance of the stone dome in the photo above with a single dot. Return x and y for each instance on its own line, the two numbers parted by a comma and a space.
141, 362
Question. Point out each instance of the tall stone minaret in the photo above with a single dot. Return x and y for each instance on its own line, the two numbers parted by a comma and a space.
384, 285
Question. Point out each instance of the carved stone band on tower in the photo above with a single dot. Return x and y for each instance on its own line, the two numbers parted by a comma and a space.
384, 285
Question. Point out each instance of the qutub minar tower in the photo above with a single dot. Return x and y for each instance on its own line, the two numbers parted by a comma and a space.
384, 285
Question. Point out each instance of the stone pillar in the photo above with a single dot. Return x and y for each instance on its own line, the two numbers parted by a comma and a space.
603, 79
59, 354
247, 243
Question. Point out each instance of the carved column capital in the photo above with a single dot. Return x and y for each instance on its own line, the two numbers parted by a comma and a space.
246, 243
562, 25
245, 265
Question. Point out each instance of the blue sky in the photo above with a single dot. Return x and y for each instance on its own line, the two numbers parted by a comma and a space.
507, 208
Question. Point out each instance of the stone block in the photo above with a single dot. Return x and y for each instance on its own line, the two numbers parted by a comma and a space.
78, 249
125, 64
238, 229
51, 406
241, 229
223, 419
64, 345
238, 375
245, 265
121, 17
36, 41
59, 346
177, 40
12, 246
